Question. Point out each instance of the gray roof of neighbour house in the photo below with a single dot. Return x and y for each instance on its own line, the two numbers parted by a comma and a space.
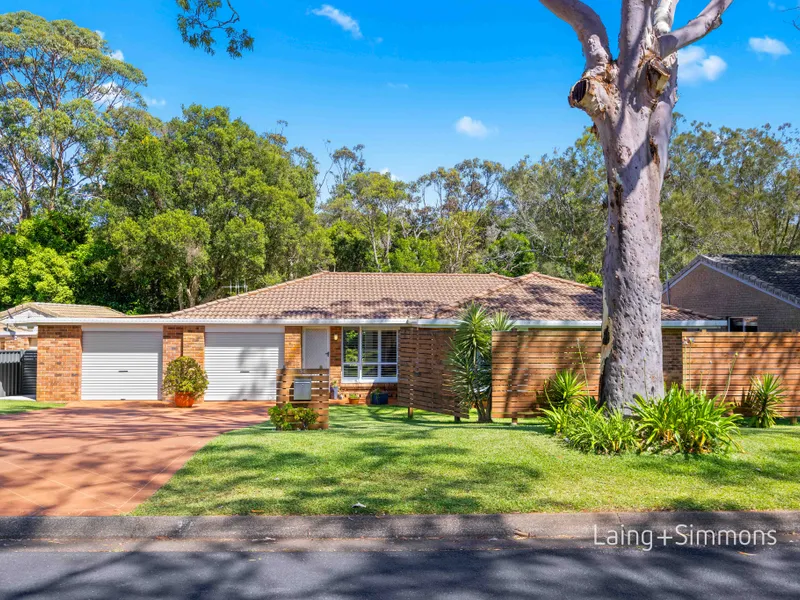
778, 275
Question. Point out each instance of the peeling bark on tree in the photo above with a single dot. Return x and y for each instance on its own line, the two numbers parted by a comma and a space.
630, 100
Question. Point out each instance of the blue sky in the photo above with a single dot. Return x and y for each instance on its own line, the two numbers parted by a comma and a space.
401, 77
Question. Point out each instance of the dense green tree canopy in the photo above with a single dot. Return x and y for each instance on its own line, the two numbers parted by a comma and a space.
102, 203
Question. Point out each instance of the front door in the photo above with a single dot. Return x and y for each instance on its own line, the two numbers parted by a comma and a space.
316, 348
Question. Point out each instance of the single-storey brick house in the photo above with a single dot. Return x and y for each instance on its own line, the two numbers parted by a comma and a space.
368, 330
17, 331
753, 292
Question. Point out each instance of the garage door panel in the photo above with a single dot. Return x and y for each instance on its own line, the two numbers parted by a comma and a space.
242, 366
121, 365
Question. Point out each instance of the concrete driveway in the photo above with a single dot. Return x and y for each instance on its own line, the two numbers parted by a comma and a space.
104, 459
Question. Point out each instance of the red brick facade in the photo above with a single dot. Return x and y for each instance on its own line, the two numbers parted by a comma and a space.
59, 363
710, 292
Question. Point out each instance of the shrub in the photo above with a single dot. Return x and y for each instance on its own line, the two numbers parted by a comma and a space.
762, 399
585, 426
565, 388
685, 421
286, 417
185, 375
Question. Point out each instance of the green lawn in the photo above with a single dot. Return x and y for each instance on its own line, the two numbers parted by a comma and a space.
377, 457
10, 407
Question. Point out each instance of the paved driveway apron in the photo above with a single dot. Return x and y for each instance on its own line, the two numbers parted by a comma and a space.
93, 459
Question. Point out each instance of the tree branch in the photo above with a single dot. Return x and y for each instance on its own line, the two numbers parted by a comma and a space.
664, 16
589, 27
696, 29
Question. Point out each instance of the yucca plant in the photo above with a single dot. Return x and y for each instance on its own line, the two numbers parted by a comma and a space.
565, 388
470, 358
766, 393
685, 421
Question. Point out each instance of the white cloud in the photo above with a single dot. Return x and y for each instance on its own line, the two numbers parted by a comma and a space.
155, 102
343, 20
102, 34
109, 94
473, 127
117, 55
392, 176
397, 86
696, 65
768, 45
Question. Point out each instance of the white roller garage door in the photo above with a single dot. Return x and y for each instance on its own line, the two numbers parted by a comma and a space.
121, 365
242, 366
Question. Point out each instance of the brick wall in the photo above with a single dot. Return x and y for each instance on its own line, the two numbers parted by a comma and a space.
18, 343
59, 363
293, 348
189, 340
672, 341
336, 354
708, 291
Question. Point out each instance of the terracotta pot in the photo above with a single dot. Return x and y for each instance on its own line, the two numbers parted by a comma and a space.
354, 400
184, 400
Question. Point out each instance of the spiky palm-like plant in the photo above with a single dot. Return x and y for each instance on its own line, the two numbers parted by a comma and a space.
470, 358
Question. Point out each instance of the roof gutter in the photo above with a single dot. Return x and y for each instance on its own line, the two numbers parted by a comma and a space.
424, 323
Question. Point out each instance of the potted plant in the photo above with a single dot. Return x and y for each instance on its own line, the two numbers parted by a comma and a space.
335, 389
186, 379
353, 399
379, 397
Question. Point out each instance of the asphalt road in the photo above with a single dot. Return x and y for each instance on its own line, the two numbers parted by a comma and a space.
489, 570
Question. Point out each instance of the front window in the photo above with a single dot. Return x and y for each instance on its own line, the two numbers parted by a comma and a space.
369, 354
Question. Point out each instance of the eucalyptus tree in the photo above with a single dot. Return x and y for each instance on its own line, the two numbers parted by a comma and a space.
61, 91
630, 99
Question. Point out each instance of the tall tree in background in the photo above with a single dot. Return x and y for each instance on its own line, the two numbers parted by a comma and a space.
60, 90
630, 100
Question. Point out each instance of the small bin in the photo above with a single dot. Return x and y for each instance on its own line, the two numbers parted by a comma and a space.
302, 389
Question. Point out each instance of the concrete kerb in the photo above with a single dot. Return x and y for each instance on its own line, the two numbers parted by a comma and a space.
579, 526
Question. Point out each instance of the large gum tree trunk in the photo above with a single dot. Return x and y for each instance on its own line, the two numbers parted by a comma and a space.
630, 99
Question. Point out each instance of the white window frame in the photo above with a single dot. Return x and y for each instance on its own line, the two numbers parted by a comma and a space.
360, 364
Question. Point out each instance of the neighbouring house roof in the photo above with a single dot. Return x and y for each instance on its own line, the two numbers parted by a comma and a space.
778, 275
55, 310
329, 295
538, 297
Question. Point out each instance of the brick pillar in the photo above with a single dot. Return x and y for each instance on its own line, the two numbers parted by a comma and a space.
59, 363
172, 348
336, 354
189, 340
293, 348
18, 343
194, 345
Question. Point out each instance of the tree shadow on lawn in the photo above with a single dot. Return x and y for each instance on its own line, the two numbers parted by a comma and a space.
384, 474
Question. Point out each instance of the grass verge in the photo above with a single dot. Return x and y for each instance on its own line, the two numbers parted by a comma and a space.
10, 407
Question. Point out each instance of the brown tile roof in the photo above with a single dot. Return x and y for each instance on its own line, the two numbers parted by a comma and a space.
538, 297
328, 295
55, 310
